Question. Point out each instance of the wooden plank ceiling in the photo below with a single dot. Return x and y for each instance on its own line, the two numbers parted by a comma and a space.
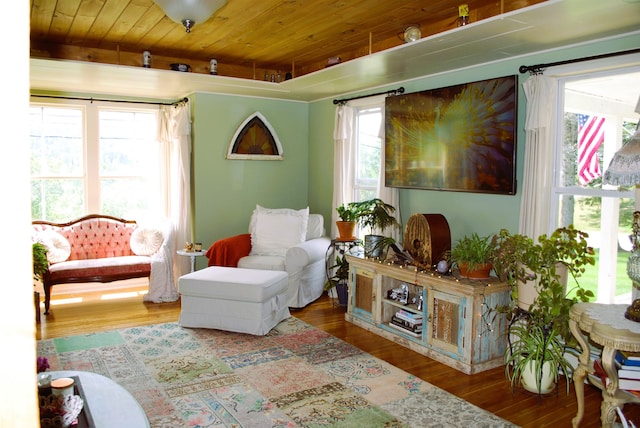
248, 38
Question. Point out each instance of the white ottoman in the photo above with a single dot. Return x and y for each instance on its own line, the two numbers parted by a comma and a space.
241, 300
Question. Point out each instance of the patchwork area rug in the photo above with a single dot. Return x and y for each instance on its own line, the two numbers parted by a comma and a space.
296, 376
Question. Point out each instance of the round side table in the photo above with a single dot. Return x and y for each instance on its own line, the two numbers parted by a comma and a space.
192, 255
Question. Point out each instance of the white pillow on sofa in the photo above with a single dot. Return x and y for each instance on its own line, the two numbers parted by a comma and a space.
58, 248
274, 231
146, 241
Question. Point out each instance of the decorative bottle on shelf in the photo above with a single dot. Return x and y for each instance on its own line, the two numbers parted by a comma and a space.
146, 59
463, 15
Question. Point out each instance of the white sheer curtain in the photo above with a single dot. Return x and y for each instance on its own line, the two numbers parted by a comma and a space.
541, 93
344, 155
174, 133
344, 161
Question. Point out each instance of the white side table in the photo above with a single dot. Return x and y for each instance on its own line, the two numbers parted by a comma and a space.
192, 255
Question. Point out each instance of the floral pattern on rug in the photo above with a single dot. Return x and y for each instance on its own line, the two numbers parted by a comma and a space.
295, 376
376, 379
334, 405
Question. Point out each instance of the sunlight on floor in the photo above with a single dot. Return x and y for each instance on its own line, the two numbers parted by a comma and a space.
56, 302
112, 296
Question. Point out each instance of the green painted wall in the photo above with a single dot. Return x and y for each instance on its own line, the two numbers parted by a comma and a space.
225, 192
465, 212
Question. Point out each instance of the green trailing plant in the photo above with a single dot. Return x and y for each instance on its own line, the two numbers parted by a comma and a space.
519, 259
537, 344
340, 273
473, 250
40, 262
542, 332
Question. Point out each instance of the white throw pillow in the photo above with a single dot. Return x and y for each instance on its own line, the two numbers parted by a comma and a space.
146, 241
58, 248
274, 231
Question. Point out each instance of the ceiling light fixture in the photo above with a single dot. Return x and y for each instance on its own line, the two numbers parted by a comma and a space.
412, 33
188, 12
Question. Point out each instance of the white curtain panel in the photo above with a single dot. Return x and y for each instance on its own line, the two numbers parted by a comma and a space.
343, 160
541, 93
175, 134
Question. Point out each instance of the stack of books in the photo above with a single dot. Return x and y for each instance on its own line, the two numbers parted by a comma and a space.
408, 322
628, 366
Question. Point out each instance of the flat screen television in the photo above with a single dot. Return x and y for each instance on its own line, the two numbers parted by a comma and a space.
458, 138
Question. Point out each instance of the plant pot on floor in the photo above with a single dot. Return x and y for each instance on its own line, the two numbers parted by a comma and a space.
342, 290
529, 379
528, 290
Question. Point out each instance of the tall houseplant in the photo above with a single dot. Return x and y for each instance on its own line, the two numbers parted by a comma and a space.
378, 216
538, 335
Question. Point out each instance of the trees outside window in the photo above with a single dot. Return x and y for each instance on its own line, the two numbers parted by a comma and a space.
594, 127
93, 157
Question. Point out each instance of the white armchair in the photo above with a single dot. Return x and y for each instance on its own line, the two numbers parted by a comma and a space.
271, 235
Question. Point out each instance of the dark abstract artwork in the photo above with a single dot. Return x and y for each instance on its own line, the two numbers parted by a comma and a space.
458, 138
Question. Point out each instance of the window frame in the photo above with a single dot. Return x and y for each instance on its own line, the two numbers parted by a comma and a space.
91, 174
606, 289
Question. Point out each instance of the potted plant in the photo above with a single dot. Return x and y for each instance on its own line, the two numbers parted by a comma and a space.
539, 335
472, 254
377, 216
339, 279
40, 262
40, 268
348, 220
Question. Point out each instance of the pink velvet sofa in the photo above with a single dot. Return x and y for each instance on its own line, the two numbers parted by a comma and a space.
97, 248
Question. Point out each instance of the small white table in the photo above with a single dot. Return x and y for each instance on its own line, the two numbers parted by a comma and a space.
110, 405
192, 255
604, 325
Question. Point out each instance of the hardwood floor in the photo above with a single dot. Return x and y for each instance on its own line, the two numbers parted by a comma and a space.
488, 390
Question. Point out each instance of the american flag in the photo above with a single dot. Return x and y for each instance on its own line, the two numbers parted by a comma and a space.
590, 136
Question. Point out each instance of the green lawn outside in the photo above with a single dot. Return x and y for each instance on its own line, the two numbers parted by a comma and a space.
589, 280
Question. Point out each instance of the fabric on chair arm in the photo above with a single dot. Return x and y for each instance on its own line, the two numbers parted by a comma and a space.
228, 251
262, 262
306, 253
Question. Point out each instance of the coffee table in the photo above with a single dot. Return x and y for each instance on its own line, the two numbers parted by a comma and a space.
110, 404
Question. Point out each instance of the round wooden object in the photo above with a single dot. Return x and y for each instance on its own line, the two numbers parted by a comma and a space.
427, 238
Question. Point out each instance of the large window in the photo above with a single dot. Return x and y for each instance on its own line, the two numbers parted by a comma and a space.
91, 157
597, 121
368, 152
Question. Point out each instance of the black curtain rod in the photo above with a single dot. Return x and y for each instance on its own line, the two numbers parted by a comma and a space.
400, 90
539, 67
184, 100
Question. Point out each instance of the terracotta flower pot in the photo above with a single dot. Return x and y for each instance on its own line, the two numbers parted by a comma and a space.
346, 230
478, 271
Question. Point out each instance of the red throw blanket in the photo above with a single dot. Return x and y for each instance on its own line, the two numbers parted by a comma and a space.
227, 251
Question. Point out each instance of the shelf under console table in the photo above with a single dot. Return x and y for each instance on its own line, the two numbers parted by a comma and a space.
455, 320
